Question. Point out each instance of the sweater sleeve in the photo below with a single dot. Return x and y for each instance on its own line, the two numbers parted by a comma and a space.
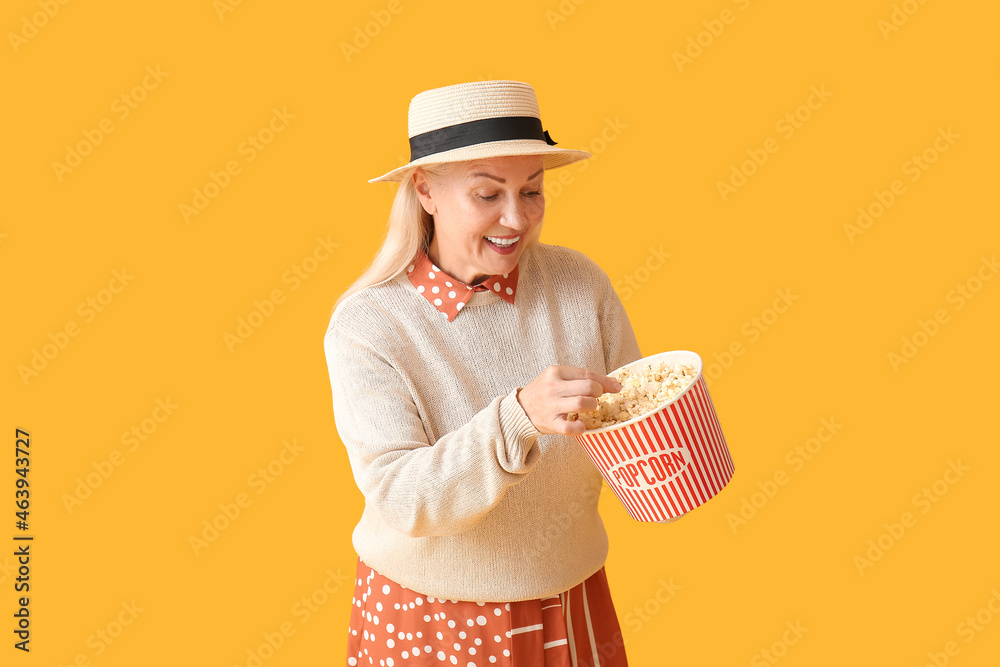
620, 344
420, 488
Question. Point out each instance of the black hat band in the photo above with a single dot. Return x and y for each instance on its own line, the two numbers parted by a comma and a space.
473, 132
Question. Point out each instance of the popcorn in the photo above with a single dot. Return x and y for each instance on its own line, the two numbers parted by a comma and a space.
641, 393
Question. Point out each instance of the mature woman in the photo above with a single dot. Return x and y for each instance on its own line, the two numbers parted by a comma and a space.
455, 360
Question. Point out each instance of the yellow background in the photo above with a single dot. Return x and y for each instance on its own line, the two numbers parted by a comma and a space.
594, 65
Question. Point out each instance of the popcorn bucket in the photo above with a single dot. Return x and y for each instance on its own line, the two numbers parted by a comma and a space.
669, 461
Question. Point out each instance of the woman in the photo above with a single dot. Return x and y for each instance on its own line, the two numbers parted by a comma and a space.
455, 360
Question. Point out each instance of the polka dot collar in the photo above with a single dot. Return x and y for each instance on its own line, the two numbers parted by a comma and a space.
449, 295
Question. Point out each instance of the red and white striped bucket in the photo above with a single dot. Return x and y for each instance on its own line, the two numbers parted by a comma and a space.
669, 461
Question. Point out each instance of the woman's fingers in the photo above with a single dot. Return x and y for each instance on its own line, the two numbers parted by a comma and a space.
585, 382
573, 427
560, 393
577, 404
610, 384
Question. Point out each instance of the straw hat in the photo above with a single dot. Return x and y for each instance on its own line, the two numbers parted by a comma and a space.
482, 119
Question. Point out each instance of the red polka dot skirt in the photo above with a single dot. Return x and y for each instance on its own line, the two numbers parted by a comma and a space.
392, 626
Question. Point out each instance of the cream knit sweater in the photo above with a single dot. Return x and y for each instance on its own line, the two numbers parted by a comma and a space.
464, 498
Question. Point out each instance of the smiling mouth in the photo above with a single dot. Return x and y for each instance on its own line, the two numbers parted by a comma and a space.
503, 242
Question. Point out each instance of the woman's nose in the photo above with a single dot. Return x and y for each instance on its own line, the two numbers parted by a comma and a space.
516, 217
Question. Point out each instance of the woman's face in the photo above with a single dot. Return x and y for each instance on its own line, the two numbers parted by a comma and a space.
485, 213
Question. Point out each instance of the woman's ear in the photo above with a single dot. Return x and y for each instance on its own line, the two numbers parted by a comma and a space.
422, 187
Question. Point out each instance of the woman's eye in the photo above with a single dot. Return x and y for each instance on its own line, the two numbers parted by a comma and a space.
493, 197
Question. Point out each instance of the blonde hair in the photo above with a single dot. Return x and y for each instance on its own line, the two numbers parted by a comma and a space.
409, 228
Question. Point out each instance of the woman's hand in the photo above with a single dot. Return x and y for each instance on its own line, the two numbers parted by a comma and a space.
560, 390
